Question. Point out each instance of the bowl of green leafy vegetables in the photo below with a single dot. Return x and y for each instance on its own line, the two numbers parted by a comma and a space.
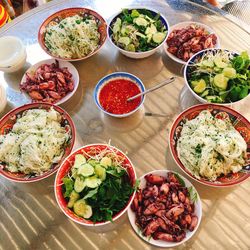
138, 32
95, 185
218, 76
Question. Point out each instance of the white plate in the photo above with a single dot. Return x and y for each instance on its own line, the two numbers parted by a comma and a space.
62, 64
160, 243
183, 25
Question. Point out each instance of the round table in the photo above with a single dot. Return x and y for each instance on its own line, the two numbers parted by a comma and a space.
30, 216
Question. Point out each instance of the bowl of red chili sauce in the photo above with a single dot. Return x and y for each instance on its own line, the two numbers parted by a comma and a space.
112, 91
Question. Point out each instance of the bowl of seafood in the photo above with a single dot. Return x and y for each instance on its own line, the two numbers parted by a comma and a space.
187, 38
95, 186
166, 210
73, 34
211, 144
34, 139
50, 81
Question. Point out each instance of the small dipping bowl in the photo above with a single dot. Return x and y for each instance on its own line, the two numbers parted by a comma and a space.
13, 54
110, 79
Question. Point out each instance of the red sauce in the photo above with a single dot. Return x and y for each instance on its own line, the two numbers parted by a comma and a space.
113, 96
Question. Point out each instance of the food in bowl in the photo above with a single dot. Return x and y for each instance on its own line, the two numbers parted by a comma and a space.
210, 147
219, 76
48, 83
73, 37
185, 42
35, 142
13, 54
95, 184
73, 34
166, 210
114, 94
138, 30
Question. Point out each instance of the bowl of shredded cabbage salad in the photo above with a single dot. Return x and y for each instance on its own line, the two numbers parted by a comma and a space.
72, 34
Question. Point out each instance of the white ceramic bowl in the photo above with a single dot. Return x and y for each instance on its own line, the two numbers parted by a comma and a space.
118, 75
196, 96
160, 243
62, 64
137, 55
183, 25
13, 54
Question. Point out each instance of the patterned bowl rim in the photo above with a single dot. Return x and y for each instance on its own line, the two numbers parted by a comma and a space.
73, 9
42, 105
60, 199
175, 156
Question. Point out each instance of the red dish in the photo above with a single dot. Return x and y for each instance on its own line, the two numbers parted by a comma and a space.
239, 122
113, 96
58, 16
7, 123
64, 170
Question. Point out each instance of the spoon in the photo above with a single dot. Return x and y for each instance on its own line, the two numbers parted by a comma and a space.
171, 79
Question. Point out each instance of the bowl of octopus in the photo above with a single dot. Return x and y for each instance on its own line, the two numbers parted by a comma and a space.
166, 210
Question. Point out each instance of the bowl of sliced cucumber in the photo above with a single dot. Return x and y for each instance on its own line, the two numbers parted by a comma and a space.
95, 185
218, 76
138, 32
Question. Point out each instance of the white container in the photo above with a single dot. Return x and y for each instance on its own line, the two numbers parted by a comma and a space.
3, 98
138, 55
13, 54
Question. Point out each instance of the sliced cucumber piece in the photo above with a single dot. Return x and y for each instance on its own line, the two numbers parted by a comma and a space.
85, 170
79, 184
217, 69
221, 81
140, 34
229, 72
194, 83
158, 37
92, 182
149, 37
219, 63
74, 172
117, 25
123, 31
79, 160
211, 98
200, 87
130, 47
100, 172
106, 161
135, 13
151, 30
82, 209
140, 21
208, 63
124, 40
74, 196
205, 93
149, 19
93, 162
